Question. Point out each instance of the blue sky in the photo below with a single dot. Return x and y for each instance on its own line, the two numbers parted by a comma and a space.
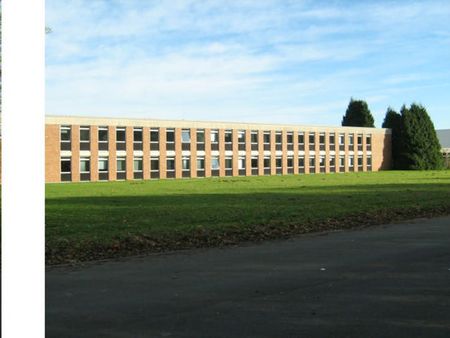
252, 61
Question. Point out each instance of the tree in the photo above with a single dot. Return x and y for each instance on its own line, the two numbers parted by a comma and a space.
393, 120
358, 115
418, 145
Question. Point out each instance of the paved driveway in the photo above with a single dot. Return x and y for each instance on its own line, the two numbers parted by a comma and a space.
384, 281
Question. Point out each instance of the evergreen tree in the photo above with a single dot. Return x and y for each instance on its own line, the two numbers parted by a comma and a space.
393, 120
358, 115
418, 147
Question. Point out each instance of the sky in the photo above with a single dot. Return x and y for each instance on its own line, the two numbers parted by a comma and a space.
289, 62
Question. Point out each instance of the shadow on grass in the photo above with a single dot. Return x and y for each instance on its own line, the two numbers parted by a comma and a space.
105, 217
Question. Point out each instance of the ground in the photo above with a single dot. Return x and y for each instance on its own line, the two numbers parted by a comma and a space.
86, 221
381, 281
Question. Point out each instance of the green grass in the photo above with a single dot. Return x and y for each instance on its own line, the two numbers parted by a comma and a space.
102, 212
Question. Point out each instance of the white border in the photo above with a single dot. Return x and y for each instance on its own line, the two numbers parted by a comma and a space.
23, 272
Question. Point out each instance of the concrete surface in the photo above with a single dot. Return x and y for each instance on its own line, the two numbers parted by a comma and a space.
384, 281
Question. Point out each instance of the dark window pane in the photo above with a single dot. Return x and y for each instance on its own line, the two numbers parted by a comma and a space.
137, 135
170, 136
154, 136
66, 166
120, 135
65, 134
84, 135
103, 135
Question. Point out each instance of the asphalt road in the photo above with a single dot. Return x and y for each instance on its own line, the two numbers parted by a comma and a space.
384, 281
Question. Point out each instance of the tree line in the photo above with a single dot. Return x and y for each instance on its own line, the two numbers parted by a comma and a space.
415, 145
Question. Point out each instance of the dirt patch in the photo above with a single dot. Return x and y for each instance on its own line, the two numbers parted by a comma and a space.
64, 251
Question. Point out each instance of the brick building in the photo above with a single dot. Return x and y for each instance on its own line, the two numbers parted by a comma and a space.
100, 149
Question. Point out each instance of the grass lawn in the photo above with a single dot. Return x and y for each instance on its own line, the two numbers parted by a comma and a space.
100, 216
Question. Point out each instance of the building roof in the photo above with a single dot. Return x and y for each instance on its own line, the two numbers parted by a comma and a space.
102, 121
444, 137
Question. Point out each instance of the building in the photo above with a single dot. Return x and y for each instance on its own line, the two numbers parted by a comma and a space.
100, 149
444, 139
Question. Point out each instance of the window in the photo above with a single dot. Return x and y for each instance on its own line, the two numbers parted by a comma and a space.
137, 164
360, 161
228, 136
185, 136
369, 142
278, 138
266, 137
103, 168
170, 136
200, 163
351, 161
215, 162
254, 137
186, 166
214, 136
120, 135
85, 165
137, 138
170, 167
301, 161
85, 168
66, 168
137, 135
170, 164
102, 164
342, 162
137, 168
66, 165
154, 135
322, 162
254, 160
85, 138
360, 138
290, 162
103, 138
369, 162
312, 162
121, 165
332, 161
312, 138
278, 162
154, 164
65, 136
154, 167
85, 134
341, 139
200, 136
65, 133
290, 137
241, 136
185, 163
322, 139
332, 139
170, 139
266, 162
351, 138
228, 163
241, 163
301, 138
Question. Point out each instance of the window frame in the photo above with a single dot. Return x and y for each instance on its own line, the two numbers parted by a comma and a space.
120, 129
88, 129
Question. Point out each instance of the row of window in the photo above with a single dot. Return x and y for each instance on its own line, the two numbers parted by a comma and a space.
103, 166
103, 139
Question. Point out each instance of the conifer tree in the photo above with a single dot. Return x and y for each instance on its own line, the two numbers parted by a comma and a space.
418, 145
358, 115
393, 120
